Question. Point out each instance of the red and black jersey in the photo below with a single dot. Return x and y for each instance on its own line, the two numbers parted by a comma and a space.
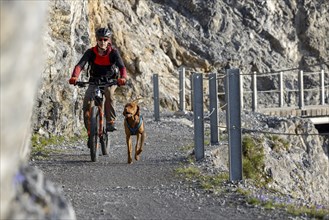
101, 65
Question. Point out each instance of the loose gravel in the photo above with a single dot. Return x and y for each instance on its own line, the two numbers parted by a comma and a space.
149, 188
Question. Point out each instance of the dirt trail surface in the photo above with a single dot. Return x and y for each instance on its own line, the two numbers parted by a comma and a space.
146, 189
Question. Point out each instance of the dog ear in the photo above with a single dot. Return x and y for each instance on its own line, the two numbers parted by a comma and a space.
137, 112
124, 111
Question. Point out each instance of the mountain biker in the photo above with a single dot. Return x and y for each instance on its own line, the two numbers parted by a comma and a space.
104, 60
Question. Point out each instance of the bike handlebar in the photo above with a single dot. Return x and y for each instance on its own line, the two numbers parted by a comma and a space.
99, 82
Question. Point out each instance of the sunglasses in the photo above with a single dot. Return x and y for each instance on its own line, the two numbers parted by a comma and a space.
103, 39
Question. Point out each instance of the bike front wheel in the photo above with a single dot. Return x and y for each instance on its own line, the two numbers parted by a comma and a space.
94, 136
105, 143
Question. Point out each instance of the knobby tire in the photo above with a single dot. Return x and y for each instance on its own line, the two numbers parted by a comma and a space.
105, 143
94, 125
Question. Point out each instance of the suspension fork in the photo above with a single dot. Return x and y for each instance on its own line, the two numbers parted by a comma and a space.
101, 114
92, 104
100, 128
100, 106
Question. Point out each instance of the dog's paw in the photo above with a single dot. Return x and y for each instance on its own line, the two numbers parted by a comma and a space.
136, 157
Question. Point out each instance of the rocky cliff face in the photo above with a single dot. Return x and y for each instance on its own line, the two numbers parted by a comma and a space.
161, 36
297, 163
66, 37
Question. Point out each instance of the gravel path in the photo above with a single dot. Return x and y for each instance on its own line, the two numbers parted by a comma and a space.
146, 189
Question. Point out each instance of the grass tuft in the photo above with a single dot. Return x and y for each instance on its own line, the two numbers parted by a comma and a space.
39, 144
277, 143
253, 161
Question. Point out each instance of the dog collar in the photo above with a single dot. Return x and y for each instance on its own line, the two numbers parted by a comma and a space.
134, 130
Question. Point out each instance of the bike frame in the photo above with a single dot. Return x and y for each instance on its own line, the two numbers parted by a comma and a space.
98, 98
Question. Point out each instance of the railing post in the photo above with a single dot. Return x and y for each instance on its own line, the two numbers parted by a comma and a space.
254, 91
182, 90
156, 97
213, 108
192, 89
241, 91
301, 89
233, 117
198, 116
322, 87
281, 89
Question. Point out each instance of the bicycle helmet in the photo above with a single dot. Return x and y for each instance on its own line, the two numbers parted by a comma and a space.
103, 32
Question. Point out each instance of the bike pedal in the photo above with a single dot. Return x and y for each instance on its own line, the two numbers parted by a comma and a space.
110, 128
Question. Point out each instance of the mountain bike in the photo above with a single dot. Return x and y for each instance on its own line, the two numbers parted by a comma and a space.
97, 129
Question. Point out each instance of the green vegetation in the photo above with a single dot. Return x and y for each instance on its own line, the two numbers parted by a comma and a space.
40, 141
191, 159
207, 133
205, 181
213, 182
207, 142
253, 201
223, 137
187, 147
253, 161
191, 146
39, 144
277, 143
312, 212
243, 192
253, 168
189, 172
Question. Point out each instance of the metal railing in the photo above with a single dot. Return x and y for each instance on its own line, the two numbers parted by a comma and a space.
287, 97
283, 91
233, 81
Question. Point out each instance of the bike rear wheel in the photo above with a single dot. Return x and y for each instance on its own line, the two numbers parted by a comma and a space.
94, 125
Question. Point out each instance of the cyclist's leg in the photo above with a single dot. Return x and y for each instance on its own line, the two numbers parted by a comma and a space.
110, 104
86, 105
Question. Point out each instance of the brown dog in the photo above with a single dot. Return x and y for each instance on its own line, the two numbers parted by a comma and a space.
134, 125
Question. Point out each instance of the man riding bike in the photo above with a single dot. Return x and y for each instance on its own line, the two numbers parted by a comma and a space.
103, 60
